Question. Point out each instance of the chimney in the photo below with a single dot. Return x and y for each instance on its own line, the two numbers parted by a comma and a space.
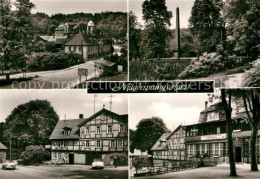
103, 106
81, 116
206, 104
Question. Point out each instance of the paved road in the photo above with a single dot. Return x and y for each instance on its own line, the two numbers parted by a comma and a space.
63, 172
65, 78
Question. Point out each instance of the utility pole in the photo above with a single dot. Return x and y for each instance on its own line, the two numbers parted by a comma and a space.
111, 96
11, 150
95, 103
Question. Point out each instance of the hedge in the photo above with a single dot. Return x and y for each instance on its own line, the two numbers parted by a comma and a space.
53, 61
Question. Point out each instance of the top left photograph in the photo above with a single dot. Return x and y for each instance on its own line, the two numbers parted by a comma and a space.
62, 44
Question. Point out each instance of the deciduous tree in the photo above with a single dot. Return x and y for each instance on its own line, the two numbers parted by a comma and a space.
31, 123
148, 132
157, 19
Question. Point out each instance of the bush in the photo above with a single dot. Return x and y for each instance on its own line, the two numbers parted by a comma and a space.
119, 159
53, 61
206, 65
35, 155
252, 77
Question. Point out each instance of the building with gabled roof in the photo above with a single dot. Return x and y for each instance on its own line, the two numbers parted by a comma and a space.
3, 150
82, 140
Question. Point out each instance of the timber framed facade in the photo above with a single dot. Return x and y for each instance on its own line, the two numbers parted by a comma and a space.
207, 139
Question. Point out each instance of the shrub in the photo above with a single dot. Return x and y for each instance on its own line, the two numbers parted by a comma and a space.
35, 155
53, 61
119, 159
205, 66
252, 77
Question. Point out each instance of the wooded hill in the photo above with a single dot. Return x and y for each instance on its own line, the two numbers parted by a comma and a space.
110, 24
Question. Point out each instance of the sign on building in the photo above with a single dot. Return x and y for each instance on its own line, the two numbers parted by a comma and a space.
212, 137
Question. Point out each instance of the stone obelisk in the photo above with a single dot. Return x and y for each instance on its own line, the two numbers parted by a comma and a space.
177, 35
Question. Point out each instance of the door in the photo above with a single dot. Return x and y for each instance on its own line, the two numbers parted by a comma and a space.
238, 154
91, 156
71, 158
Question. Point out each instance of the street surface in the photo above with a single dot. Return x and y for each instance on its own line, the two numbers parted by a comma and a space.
219, 171
63, 172
56, 79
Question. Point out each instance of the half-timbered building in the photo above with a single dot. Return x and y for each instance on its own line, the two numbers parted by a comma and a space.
2, 153
82, 140
170, 148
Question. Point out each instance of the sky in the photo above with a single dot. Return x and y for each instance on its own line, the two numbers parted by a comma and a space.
73, 6
174, 109
185, 7
65, 102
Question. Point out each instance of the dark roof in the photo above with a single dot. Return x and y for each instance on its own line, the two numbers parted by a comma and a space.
123, 118
104, 62
82, 39
60, 41
174, 131
211, 108
2, 147
158, 146
59, 128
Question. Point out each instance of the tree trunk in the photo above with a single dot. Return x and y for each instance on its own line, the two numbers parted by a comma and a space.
230, 146
228, 111
254, 166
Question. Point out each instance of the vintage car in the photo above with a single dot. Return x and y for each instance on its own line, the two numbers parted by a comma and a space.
9, 165
97, 164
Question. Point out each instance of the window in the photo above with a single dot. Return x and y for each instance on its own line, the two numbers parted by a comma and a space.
58, 143
59, 155
112, 143
221, 149
87, 143
212, 148
120, 143
98, 144
74, 48
87, 130
218, 130
69, 48
98, 130
109, 129
217, 149
121, 128
65, 143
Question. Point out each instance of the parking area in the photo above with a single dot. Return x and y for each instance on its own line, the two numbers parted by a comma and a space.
63, 171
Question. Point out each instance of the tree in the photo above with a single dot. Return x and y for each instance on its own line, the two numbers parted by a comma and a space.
251, 103
15, 33
205, 25
243, 24
157, 18
35, 155
134, 36
31, 123
147, 133
228, 113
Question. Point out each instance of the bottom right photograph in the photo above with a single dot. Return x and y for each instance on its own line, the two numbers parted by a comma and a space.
212, 135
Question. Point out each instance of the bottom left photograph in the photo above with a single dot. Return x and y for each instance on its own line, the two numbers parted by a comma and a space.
63, 134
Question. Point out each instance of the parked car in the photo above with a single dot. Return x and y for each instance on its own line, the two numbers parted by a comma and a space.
9, 165
98, 164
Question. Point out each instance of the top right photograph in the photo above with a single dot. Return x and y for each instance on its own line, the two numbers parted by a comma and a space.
195, 40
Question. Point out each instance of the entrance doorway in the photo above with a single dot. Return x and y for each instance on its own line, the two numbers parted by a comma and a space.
238, 154
71, 158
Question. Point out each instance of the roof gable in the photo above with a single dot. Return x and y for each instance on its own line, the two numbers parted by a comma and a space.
121, 118
2, 147
62, 125
158, 145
